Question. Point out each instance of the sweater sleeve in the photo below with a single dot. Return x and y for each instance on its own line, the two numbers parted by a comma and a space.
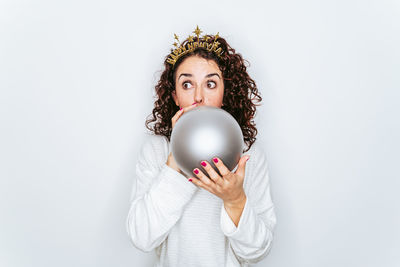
159, 200
251, 240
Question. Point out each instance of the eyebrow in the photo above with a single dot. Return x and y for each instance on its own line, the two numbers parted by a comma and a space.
190, 75
212, 74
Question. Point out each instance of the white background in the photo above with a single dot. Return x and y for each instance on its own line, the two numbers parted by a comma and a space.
77, 81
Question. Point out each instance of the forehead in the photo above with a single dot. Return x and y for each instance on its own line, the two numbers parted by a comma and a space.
197, 65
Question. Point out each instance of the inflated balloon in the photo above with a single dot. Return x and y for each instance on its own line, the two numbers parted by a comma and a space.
203, 133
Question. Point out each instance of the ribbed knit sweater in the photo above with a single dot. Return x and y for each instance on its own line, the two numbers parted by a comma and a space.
189, 226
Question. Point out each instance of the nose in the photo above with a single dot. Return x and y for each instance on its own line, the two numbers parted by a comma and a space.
198, 95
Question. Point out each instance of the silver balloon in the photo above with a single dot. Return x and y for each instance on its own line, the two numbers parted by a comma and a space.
203, 133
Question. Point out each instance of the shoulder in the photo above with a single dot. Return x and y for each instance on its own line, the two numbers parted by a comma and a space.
257, 152
154, 141
154, 148
257, 165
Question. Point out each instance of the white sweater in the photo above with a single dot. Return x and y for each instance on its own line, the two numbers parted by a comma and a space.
187, 225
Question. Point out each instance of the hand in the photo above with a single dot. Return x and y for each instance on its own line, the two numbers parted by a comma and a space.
179, 113
229, 187
171, 160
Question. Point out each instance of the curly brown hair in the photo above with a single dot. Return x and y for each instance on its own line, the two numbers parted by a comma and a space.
240, 91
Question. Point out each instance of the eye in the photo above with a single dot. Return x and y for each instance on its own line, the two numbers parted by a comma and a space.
186, 85
211, 84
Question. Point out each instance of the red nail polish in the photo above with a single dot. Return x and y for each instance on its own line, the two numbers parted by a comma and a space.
180, 109
203, 164
215, 160
196, 171
194, 103
190, 180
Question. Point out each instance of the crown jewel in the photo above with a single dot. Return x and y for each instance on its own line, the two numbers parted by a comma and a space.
191, 45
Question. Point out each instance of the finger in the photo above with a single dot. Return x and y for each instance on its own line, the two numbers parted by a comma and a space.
204, 178
242, 165
179, 113
176, 117
223, 170
192, 106
212, 173
199, 183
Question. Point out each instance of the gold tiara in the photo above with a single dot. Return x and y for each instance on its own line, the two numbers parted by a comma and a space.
191, 45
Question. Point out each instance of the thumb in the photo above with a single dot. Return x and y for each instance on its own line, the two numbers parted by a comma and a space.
242, 165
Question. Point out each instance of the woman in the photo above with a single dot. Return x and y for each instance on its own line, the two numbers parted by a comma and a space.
206, 219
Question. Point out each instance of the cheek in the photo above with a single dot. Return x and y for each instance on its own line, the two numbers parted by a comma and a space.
221, 94
185, 98
216, 98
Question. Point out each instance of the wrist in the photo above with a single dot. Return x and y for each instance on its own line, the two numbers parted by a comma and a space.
235, 208
237, 203
172, 164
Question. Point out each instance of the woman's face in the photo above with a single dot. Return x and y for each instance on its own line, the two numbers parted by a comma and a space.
198, 80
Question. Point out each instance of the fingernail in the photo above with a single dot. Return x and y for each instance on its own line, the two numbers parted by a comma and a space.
180, 109
190, 180
203, 164
196, 171
248, 158
215, 160
194, 103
